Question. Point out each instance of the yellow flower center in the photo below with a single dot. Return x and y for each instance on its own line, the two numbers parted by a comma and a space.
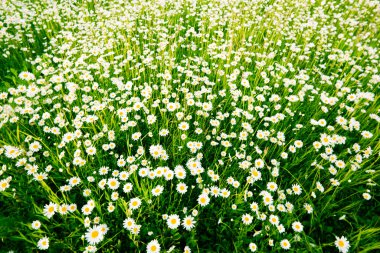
94, 234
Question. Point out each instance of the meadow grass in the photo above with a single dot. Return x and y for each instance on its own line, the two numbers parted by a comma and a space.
189, 126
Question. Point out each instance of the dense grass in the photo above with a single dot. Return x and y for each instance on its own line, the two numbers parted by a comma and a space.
266, 99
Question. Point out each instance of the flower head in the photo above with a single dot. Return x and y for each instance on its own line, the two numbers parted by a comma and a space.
342, 244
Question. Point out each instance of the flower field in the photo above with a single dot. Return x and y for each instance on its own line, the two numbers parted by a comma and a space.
190, 126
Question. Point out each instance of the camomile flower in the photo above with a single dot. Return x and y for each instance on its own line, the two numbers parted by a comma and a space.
317, 145
63, 209
183, 126
296, 189
124, 175
91, 150
143, 172
198, 130
203, 200
298, 144
86, 192
267, 199
115, 173
134, 203
74, 181
151, 119
289, 207
320, 187
254, 207
272, 186
113, 183
224, 193
273, 219
255, 174
67, 137
156, 151
87, 222
281, 228
253, 247
292, 149
187, 249
50, 209
86, 209
27, 76
12, 152
121, 162
342, 244
110, 208
96, 220
131, 159
367, 134
136, 136
214, 191
127, 187
188, 222
284, 155
91, 248
94, 235
366, 196
72, 208
259, 163
128, 223
171, 106
36, 224
356, 147
103, 228
334, 182
340, 164
285, 244
236, 184
262, 216
153, 247
163, 132
173, 221
308, 208
181, 188
281, 208
103, 170
102, 183
43, 243
157, 190
180, 172
35, 146
297, 226
247, 219
169, 175
135, 229
40, 176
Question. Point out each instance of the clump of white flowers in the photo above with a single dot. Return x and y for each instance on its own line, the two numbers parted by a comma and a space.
183, 125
